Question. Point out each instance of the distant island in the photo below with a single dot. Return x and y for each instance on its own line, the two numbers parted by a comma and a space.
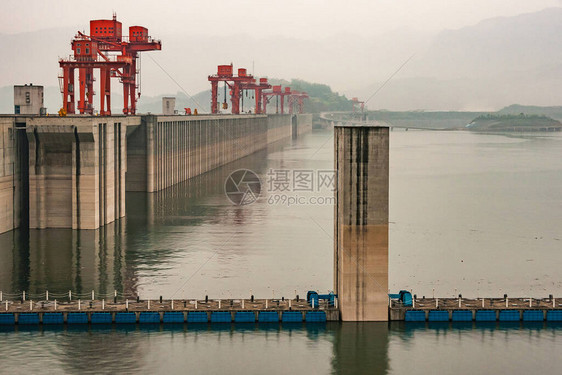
495, 122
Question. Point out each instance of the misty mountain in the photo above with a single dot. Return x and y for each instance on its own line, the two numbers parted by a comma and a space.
483, 67
516, 109
513, 45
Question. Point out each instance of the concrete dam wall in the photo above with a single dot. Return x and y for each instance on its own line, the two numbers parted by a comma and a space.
9, 184
76, 171
72, 172
302, 124
166, 150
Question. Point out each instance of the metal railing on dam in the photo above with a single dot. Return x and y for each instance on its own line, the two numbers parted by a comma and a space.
73, 172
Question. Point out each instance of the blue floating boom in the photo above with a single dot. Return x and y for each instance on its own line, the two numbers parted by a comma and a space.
149, 317
510, 316
245, 317
76, 318
221, 317
533, 315
197, 317
438, 316
28, 318
7, 319
315, 316
173, 317
53, 318
101, 318
554, 316
125, 318
485, 316
291, 317
415, 316
462, 316
269, 317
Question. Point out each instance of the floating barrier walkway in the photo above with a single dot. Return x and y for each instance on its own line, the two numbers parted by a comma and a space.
53, 312
478, 310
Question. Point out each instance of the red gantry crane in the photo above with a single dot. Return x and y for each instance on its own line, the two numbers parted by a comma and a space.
299, 97
234, 82
357, 102
292, 96
244, 81
114, 55
258, 91
280, 94
267, 95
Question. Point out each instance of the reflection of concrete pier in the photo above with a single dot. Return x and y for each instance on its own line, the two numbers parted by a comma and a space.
64, 259
361, 348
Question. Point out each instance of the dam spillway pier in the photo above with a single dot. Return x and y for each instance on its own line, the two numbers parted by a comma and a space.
73, 172
361, 221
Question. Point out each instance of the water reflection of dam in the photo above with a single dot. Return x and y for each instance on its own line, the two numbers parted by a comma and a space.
360, 348
308, 349
63, 259
107, 259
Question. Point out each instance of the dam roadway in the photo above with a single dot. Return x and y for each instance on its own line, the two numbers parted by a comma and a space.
73, 172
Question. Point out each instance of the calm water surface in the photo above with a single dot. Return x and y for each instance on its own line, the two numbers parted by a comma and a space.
474, 214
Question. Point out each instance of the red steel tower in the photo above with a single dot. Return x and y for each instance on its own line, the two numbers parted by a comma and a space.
280, 94
298, 97
356, 102
258, 91
114, 55
234, 82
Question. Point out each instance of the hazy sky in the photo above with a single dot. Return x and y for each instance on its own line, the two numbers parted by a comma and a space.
300, 18
351, 45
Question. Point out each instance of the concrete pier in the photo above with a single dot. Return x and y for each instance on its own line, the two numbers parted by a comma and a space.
361, 222
76, 171
8, 176
302, 123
